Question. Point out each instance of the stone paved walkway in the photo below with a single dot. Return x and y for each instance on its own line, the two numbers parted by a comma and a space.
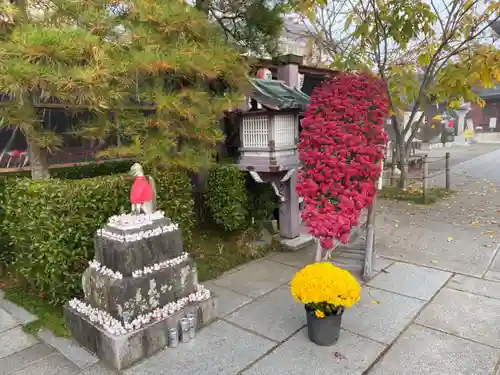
432, 309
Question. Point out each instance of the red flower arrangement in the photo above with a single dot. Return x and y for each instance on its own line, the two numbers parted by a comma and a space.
341, 148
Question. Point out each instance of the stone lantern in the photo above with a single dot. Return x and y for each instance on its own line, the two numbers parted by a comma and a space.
269, 134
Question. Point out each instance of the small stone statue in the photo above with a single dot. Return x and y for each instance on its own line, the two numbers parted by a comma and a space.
143, 192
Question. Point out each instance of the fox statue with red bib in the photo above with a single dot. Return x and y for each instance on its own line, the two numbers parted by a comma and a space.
143, 192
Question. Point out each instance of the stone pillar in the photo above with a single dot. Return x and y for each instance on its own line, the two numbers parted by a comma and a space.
289, 209
461, 113
288, 71
461, 122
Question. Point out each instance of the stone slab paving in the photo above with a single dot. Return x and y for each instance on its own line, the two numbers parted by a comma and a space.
98, 369
423, 351
228, 300
258, 278
276, 315
7, 321
21, 315
351, 356
21, 353
492, 275
14, 340
54, 363
437, 245
410, 280
475, 286
219, 349
381, 315
467, 315
69, 349
24, 358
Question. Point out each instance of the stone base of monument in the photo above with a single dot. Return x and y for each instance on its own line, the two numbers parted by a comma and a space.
123, 351
298, 243
138, 288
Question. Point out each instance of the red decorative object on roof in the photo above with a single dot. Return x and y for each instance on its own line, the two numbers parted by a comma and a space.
341, 147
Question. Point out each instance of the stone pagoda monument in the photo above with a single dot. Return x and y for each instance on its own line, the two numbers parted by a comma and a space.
141, 288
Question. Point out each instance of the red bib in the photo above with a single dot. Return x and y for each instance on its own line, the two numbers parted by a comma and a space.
141, 191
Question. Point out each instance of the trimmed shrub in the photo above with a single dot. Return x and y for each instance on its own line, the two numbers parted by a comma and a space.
175, 196
74, 172
227, 197
51, 224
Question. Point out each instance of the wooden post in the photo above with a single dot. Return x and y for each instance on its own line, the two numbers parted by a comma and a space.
447, 171
319, 252
425, 180
370, 233
370, 243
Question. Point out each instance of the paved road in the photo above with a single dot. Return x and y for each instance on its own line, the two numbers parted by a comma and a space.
458, 155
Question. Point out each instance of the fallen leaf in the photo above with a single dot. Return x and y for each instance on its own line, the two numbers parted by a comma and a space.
375, 302
339, 355
450, 239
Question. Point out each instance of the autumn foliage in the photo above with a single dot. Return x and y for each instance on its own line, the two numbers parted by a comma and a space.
341, 147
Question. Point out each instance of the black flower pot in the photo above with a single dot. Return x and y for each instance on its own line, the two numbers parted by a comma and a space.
323, 331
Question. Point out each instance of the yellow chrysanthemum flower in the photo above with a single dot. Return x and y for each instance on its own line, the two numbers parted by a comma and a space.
319, 314
325, 283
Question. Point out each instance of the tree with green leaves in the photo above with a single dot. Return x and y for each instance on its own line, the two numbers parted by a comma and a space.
252, 25
434, 51
159, 74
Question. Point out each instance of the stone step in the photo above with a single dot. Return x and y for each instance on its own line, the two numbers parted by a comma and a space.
126, 257
126, 298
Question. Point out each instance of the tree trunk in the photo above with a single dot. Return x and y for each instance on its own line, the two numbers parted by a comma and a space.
37, 160
403, 165
203, 5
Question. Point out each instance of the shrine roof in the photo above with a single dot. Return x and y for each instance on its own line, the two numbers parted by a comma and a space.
277, 95
489, 93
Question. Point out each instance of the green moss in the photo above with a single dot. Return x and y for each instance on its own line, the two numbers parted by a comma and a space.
217, 251
49, 316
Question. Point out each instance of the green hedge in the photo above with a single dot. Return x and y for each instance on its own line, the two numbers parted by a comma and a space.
227, 198
82, 171
92, 170
235, 201
51, 223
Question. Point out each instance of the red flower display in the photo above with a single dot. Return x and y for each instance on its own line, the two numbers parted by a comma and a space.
341, 148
